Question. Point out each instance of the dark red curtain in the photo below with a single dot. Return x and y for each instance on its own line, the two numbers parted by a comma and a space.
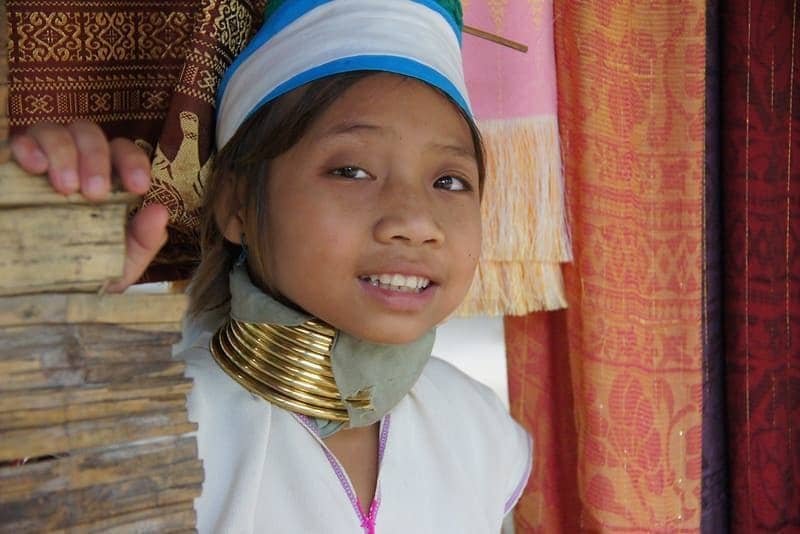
760, 185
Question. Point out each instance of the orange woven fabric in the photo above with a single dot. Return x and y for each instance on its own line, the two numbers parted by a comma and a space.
621, 450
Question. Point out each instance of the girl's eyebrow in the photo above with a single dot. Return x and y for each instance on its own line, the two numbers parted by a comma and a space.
349, 127
455, 150
355, 127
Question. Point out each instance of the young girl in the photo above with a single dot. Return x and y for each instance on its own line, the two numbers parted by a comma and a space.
342, 224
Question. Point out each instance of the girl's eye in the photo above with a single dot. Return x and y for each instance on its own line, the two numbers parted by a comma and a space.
354, 173
452, 183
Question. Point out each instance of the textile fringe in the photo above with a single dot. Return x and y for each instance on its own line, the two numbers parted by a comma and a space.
514, 288
525, 235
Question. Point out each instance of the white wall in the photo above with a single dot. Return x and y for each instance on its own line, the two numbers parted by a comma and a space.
477, 347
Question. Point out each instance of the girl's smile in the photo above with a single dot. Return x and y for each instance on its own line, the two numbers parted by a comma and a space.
373, 217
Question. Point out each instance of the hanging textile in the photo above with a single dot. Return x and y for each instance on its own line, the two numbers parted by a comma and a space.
5, 153
631, 95
513, 93
761, 217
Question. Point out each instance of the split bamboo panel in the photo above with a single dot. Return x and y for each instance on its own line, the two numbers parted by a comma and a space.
94, 434
52, 242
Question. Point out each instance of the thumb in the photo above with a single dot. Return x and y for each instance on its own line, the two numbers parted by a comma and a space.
145, 235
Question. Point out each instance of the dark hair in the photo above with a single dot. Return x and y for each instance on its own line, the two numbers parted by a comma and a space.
239, 175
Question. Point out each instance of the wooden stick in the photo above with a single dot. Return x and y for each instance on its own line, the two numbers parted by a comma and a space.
496, 39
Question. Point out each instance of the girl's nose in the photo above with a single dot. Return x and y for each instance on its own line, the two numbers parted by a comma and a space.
408, 218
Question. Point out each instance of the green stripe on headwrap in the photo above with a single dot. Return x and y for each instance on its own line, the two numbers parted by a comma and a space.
451, 6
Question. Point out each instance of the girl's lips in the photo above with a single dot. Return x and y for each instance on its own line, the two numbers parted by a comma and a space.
399, 300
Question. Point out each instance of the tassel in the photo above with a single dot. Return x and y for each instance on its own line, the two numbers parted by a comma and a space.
514, 288
525, 235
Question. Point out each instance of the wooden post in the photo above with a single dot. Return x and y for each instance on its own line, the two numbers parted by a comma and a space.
94, 434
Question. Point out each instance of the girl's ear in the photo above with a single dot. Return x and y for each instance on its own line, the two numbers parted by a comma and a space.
229, 214
232, 228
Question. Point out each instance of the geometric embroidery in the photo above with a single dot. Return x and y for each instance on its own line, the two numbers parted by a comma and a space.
108, 61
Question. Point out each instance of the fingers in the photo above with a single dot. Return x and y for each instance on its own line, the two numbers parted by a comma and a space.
56, 144
93, 159
78, 157
132, 164
146, 234
27, 153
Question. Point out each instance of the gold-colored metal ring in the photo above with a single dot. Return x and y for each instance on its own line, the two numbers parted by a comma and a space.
290, 376
265, 335
293, 390
266, 348
288, 366
271, 396
305, 337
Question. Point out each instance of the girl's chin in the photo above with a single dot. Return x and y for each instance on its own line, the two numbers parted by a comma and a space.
387, 332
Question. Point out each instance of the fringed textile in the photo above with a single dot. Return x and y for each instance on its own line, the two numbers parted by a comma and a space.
525, 236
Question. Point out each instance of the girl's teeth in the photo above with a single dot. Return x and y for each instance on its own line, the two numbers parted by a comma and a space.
399, 282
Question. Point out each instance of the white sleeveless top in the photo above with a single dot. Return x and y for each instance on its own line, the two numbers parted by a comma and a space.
451, 460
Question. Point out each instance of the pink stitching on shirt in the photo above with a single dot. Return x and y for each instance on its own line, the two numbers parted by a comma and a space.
384, 438
367, 520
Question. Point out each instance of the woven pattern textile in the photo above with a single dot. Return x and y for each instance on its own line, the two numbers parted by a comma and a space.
761, 222
631, 90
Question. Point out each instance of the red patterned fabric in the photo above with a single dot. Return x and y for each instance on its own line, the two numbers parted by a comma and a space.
612, 388
540, 389
761, 220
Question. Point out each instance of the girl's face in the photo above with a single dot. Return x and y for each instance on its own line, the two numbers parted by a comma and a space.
373, 220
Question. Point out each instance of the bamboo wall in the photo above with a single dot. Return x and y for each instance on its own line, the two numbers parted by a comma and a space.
94, 435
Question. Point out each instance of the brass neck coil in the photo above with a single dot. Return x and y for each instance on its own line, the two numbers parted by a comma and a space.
289, 366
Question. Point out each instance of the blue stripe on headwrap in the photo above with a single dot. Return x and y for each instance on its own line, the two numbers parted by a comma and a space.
391, 64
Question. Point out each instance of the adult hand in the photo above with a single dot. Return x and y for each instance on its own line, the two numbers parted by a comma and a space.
78, 157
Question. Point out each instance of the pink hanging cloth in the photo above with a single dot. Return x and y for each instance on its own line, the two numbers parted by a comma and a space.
513, 94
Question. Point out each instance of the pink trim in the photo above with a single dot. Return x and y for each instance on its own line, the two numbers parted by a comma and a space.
512, 501
306, 421
345, 483
367, 519
387, 421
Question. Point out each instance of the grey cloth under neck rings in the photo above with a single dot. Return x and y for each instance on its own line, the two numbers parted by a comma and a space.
387, 372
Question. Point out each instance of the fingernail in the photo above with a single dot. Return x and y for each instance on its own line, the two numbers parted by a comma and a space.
69, 179
95, 185
140, 180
